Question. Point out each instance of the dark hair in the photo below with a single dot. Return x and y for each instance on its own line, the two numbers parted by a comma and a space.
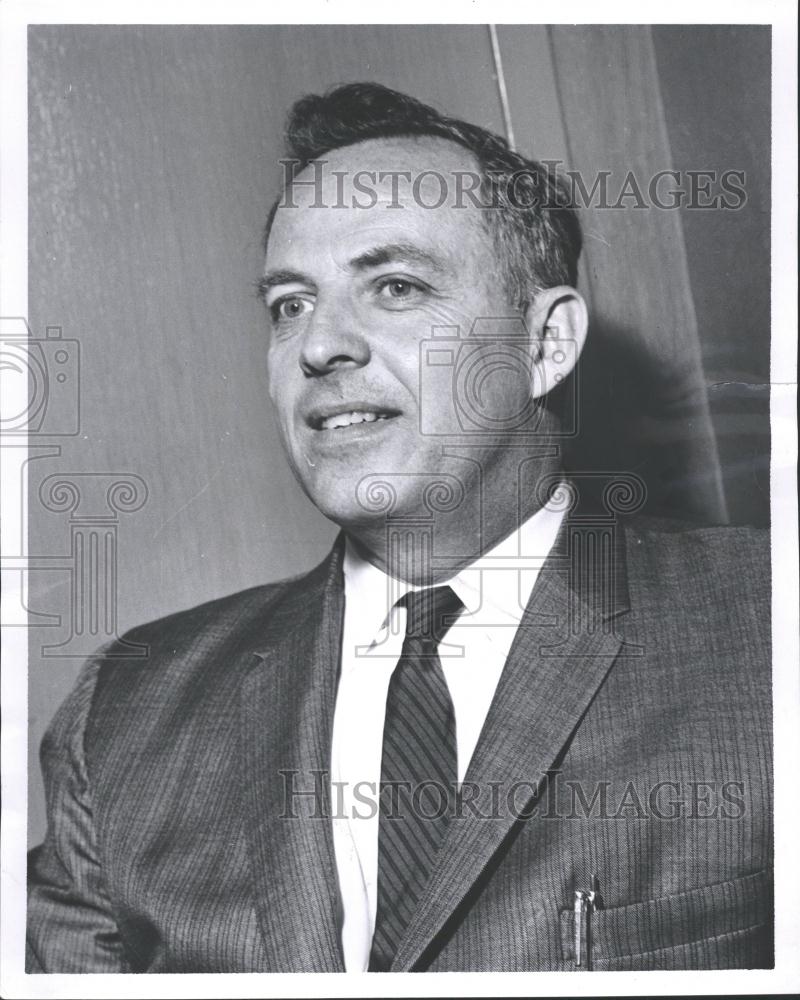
536, 234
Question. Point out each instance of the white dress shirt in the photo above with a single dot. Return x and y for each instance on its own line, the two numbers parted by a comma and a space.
494, 591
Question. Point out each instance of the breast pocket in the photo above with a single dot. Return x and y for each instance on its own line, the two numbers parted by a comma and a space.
727, 925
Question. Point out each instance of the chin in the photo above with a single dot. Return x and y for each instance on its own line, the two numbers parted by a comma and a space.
332, 495
356, 509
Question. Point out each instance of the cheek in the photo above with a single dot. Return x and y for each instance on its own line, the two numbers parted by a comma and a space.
503, 378
279, 382
475, 387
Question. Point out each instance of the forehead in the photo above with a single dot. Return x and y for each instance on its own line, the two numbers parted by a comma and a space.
384, 190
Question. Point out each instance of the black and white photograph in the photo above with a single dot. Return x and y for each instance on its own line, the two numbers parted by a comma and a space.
399, 507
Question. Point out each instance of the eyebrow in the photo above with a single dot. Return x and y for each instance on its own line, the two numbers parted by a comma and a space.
403, 253
280, 276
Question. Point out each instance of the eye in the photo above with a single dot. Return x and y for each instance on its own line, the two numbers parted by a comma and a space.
289, 307
399, 289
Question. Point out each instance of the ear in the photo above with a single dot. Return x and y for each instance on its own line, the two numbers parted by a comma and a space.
558, 321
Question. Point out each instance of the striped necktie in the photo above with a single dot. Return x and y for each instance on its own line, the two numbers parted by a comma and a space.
418, 769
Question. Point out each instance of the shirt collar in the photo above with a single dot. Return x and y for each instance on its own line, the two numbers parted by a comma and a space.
498, 582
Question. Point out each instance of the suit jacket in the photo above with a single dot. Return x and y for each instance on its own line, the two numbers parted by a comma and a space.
632, 723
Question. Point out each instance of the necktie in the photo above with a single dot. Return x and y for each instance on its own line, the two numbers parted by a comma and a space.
418, 769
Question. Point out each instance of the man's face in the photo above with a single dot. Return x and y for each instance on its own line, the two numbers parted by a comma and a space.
352, 294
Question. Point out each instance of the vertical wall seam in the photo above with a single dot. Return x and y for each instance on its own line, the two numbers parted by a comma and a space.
585, 264
682, 262
500, 76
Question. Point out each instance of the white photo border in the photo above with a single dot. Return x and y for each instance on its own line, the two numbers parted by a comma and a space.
16, 16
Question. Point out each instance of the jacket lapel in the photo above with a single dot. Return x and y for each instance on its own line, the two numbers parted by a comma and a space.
288, 700
557, 662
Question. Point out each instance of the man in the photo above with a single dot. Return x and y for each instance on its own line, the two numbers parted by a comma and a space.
492, 731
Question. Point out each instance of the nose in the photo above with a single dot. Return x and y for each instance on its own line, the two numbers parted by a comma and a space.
333, 341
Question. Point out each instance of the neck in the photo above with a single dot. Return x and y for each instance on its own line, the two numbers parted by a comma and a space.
427, 549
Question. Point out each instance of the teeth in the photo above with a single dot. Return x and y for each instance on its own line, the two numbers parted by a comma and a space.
347, 419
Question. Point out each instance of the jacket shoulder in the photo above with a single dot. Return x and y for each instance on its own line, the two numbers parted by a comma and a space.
670, 535
716, 563
185, 670
230, 616
199, 646
208, 616
672, 526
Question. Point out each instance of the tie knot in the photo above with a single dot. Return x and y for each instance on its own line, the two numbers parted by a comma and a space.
431, 612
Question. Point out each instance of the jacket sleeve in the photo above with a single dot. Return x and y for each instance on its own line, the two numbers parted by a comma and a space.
70, 924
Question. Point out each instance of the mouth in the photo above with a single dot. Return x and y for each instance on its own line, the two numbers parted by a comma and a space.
337, 419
